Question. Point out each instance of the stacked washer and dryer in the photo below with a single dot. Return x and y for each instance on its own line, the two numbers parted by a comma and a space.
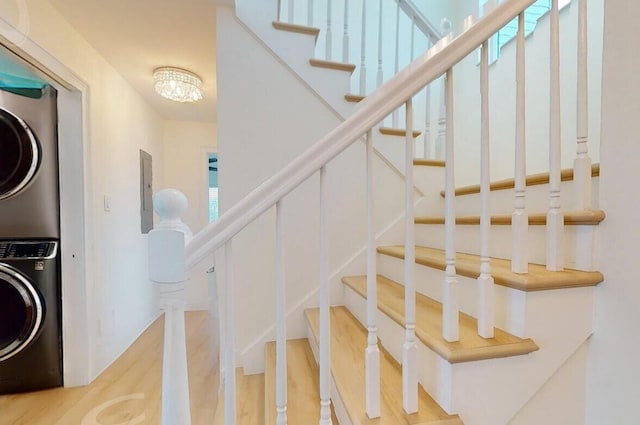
30, 286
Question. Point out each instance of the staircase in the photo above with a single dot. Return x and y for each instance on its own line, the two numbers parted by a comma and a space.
461, 333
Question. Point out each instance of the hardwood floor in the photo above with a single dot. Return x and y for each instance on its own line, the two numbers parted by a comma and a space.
129, 391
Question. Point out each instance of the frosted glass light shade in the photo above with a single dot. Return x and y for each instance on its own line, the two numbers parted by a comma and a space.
177, 84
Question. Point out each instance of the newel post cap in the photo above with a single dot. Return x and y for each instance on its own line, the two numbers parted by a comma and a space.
170, 205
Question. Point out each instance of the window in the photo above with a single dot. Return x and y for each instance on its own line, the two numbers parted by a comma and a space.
531, 16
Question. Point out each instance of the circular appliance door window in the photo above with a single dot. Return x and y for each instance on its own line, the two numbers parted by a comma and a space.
21, 312
20, 154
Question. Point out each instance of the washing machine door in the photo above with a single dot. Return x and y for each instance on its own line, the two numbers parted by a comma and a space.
21, 312
19, 156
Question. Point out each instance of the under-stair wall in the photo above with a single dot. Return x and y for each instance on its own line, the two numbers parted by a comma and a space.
266, 117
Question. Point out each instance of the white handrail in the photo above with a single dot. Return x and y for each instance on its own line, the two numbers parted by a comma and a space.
373, 109
420, 20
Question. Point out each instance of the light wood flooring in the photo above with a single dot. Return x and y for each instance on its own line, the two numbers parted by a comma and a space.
129, 391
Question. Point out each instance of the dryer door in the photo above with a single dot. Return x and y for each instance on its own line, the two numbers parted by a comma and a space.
20, 154
21, 312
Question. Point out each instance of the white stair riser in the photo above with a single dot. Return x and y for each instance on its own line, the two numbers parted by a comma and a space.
578, 242
509, 303
478, 390
429, 180
537, 199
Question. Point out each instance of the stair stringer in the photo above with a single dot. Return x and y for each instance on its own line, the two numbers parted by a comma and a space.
258, 17
564, 391
490, 392
295, 50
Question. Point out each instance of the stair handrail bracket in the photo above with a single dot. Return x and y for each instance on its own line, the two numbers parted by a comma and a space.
372, 110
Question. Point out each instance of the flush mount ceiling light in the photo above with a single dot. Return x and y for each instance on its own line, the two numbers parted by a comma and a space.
177, 84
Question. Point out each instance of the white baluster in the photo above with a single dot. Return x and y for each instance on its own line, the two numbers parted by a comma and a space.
486, 302
450, 303
520, 217
395, 116
325, 331
167, 269
281, 331
229, 356
379, 76
372, 353
345, 36
555, 218
442, 121
410, 348
427, 118
363, 45
279, 10
329, 37
310, 13
291, 11
582, 163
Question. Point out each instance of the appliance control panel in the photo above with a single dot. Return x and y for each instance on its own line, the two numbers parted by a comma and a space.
28, 250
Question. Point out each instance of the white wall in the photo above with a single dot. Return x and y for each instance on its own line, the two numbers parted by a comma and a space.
121, 298
613, 390
186, 144
267, 117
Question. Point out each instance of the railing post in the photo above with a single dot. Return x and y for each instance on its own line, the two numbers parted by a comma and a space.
379, 78
345, 36
328, 47
396, 113
450, 302
310, 13
426, 152
291, 11
167, 269
372, 353
363, 56
230, 410
442, 121
325, 322
555, 217
582, 163
281, 331
520, 218
410, 348
486, 314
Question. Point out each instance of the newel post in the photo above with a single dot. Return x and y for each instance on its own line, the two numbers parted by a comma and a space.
167, 269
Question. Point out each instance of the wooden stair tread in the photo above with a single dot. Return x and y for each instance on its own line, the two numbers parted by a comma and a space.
300, 29
303, 394
354, 98
428, 162
402, 132
250, 400
339, 66
538, 278
531, 180
348, 343
571, 218
470, 347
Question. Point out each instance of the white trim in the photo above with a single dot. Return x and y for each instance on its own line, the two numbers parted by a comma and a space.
78, 339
